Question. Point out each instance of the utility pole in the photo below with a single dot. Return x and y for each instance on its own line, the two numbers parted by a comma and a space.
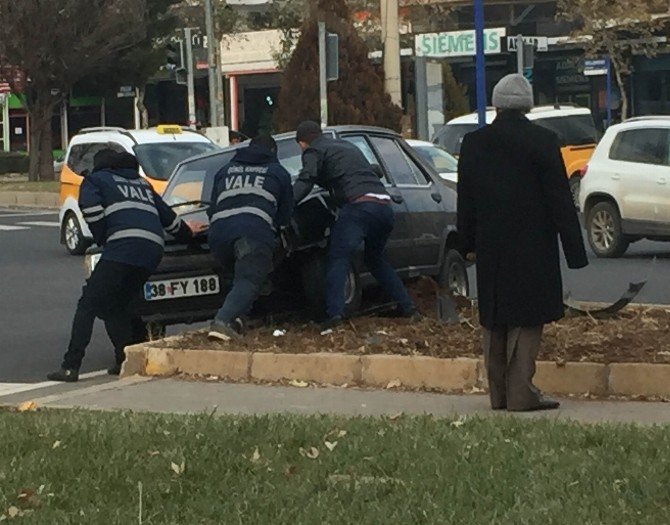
323, 79
480, 62
391, 41
188, 36
519, 54
212, 69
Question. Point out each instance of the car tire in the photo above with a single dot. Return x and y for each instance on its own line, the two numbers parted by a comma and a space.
314, 287
454, 274
73, 238
575, 183
603, 227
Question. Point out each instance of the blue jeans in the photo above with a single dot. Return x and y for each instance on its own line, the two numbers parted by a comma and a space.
252, 262
372, 224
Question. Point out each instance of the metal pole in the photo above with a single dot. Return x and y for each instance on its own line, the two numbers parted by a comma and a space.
519, 54
211, 61
391, 40
64, 126
608, 94
323, 83
138, 116
480, 62
5, 122
188, 35
103, 112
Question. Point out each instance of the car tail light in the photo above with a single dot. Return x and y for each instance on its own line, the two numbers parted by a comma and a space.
583, 171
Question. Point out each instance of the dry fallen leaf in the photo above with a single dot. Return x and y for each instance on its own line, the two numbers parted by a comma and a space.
458, 423
394, 384
13, 512
341, 433
394, 417
311, 452
330, 445
55, 445
256, 456
178, 469
27, 406
153, 453
298, 383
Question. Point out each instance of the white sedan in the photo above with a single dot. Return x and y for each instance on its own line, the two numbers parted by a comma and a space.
438, 158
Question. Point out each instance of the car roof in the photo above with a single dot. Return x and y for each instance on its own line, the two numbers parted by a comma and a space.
535, 113
649, 119
136, 136
419, 143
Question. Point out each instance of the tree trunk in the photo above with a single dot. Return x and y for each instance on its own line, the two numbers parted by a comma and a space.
144, 112
41, 165
624, 95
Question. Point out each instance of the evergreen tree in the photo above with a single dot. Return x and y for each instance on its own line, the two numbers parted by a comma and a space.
357, 97
456, 101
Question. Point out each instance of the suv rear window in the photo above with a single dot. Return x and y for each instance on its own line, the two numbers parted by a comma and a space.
450, 137
575, 130
645, 146
193, 180
158, 159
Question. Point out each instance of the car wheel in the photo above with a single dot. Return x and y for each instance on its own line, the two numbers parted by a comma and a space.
454, 274
314, 287
575, 183
75, 242
604, 231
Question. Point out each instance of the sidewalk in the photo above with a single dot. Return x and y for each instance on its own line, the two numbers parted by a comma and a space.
186, 397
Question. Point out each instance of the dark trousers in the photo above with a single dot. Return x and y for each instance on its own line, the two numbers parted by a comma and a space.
106, 295
366, 223
509, 357
252, 262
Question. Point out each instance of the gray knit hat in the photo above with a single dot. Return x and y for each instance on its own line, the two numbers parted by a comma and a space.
513, 92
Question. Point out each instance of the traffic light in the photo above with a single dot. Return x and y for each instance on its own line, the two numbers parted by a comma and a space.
173, 54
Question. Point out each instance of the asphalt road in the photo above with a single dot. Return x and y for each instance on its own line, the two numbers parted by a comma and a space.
41, 283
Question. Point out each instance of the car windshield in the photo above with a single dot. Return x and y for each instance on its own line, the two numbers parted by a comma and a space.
451, 136
192, 182
437, 157
158, 159
574, 130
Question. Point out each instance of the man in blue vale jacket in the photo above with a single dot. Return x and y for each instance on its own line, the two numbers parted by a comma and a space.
251, 200
127, 218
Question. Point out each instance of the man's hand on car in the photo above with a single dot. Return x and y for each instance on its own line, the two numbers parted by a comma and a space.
471, 257
197, 227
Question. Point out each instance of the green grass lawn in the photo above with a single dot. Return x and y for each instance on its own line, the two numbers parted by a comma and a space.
45, 185
106, 468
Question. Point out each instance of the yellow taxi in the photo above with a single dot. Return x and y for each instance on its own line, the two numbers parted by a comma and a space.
158, 151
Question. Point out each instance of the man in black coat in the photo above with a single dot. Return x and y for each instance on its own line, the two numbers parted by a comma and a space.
513, 204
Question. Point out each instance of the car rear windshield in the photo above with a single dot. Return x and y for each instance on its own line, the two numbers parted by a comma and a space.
158, 159
438, 158
575, 130
451, 136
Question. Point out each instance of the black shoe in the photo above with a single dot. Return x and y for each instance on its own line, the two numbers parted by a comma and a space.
114, 371
331, 323
412, 314
545, 404
65, 375
223, 332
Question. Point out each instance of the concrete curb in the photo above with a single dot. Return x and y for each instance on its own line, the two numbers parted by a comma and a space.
31, 199
387, 371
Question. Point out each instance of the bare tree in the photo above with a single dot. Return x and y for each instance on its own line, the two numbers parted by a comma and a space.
617, 29
56, 43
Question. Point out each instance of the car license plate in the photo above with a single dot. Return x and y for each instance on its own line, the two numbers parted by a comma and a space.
176, 288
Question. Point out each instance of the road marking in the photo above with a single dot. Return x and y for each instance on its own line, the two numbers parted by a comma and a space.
6, 228
7, 389
55, 224
27, 214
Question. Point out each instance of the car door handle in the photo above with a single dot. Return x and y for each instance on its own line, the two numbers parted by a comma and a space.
437, 197
397, 199
662, 181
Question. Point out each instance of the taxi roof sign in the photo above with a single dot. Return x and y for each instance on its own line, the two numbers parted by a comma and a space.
169, 129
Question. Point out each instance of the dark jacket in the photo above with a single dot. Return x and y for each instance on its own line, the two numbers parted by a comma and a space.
127, 217
513, 204
251, 197
339, 167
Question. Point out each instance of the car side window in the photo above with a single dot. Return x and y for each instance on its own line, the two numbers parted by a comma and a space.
362, 144
400, 167
290, 156
81, 157
644, 146
74, 159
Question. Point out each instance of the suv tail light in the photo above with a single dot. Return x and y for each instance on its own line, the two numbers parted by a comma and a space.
583, 171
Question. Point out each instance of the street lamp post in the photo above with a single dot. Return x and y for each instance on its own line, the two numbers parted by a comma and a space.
480, 62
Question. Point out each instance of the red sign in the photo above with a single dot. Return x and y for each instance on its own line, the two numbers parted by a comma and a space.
4, 88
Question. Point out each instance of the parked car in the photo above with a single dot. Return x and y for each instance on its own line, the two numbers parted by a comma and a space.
158, 151
424, 241
574, 126
438, 157
625, 193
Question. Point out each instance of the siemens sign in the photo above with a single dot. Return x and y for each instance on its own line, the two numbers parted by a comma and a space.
457, 43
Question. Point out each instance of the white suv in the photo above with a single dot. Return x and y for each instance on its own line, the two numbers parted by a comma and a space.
625, 190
